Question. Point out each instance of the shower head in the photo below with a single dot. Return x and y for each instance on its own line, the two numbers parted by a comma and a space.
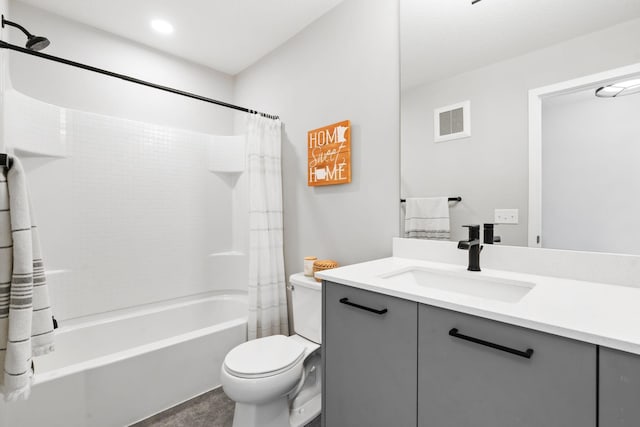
33, 42
37, 42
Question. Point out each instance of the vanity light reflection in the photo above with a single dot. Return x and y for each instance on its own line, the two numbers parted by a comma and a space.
627, 87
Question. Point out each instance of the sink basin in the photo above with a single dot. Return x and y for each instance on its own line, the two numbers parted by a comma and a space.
468, 283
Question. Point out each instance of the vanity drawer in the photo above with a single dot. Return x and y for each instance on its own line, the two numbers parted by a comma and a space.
476, 372
370, 356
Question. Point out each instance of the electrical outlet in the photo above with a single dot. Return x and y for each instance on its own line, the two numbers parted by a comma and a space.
505, 216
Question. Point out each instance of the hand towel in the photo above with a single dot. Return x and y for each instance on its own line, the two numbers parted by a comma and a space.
26, 324
427, 218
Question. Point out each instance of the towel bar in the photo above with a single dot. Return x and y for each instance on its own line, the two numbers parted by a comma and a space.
451, 199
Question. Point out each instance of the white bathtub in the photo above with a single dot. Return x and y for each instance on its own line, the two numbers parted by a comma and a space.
115, 369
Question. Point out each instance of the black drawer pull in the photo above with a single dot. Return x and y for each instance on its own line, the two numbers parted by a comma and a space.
526, 354
362, 307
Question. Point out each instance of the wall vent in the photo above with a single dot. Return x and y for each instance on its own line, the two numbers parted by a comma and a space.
452, 122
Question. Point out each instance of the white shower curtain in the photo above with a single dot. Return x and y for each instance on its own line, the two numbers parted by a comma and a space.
267, 292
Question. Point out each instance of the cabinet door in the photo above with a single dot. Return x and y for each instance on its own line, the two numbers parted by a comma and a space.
619, 389
463, 383
370, 359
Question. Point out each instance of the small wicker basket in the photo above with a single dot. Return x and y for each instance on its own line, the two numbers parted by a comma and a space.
323, 264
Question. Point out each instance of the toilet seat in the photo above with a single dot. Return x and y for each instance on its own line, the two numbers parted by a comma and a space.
264, 357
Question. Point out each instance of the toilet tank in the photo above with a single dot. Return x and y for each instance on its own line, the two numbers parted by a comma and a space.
306, 302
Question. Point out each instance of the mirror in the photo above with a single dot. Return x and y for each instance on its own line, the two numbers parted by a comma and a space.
467, 69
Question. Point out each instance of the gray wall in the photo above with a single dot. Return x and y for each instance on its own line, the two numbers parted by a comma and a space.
490, 169
590, 152
343, 66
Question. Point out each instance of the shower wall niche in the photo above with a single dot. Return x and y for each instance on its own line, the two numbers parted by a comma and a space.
129, 212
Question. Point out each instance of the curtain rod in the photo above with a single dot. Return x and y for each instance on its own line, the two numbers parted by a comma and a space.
5, 45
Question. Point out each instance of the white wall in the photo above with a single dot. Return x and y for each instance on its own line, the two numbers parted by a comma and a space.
4, 71
343, 66
590, 153
4, 6
490, 169
79, 89
129, 217
132, 214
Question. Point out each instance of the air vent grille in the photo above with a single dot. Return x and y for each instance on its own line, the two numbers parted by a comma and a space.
452, 122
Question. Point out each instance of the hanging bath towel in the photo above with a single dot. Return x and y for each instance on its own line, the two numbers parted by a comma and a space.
26, 324
427, 218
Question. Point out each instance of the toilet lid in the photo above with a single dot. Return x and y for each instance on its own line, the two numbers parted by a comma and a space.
264, 357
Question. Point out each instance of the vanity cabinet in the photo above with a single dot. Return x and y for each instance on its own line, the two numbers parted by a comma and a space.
370, 355
619, 388
476, 372
394, 362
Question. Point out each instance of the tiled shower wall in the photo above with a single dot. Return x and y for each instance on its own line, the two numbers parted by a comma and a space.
128, 213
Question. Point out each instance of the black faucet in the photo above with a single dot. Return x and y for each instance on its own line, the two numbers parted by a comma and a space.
489, 238
473, 246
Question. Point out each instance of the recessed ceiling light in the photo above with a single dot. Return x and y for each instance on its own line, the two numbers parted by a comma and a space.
162, 26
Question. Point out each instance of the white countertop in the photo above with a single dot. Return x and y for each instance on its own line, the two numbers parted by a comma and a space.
598, 313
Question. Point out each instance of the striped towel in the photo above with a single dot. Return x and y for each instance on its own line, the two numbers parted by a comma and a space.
427, 218
26, 325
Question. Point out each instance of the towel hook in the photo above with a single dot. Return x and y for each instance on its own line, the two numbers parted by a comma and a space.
5, 161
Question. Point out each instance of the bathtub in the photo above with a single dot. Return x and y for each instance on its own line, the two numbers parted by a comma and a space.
118, 368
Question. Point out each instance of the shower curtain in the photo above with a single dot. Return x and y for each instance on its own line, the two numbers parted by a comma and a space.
267, 292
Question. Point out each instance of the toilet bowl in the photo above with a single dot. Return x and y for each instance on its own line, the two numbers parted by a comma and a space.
275, 381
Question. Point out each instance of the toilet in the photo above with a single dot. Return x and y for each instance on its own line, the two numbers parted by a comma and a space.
275, 381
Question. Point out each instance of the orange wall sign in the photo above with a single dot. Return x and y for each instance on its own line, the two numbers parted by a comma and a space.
329, 154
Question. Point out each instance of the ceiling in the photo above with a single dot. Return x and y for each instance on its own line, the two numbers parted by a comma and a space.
227, 35
441, 38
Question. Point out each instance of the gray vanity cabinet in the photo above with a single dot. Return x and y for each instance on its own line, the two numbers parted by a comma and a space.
462, 383
370, 358
619, 389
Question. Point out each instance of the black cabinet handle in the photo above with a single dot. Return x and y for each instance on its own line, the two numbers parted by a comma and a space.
526, 354
362, 307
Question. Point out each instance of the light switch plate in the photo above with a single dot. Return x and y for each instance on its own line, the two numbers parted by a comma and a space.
505, 216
